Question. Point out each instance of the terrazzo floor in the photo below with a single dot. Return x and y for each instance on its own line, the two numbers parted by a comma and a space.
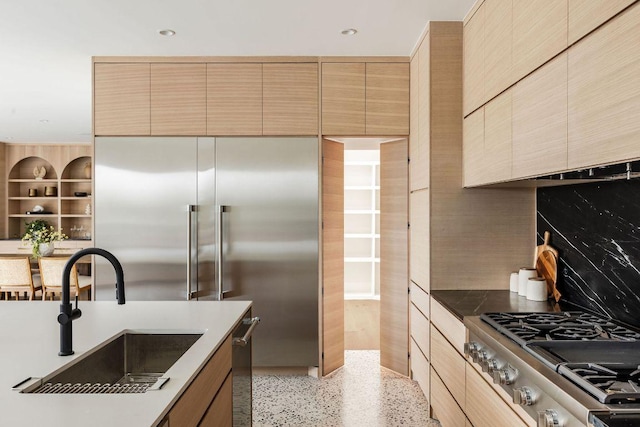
360, 394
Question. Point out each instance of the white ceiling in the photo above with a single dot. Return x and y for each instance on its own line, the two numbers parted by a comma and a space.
46, 45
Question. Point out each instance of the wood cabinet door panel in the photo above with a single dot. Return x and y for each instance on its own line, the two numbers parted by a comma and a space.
419, 258
449, 365
473, 161
540, 121
290, 99
419, 329
445, 408
178, 99
586, 15
497, 139
473, 72
419, 146
420, 368
498, 31
234, 99
604, 103
220, 412
387, 95
343, 98
121, 99
539, 33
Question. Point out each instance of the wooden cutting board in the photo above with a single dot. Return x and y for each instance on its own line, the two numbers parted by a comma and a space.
546, 263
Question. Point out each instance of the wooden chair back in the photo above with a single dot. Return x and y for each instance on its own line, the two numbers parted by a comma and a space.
15, 277
51, 269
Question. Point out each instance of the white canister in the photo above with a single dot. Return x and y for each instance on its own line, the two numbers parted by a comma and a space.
537, 289
513, 282
523, 275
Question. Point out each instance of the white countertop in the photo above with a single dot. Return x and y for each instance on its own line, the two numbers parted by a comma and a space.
29, 338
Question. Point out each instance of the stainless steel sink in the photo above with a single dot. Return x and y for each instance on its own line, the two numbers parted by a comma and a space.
131, 362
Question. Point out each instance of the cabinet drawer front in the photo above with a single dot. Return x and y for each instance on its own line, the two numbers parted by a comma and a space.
449, 365
419, 368
449, 324
445, 408
484, 407
195, 401
220, 412
419, 329
420, 299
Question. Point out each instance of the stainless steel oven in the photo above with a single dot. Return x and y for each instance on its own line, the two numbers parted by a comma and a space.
565, 369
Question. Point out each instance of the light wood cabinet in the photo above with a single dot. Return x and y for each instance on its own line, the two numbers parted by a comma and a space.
484, 407
419, 260
604, 93
497, 161
220, 412
419, 149
498, 32
122, 99
473, 70
445, 408
539, 33
234, 99
540, 121
178, 99
473, 162
290, 99
192, 405
343, 98
419, 328
68, 171
449, 364
586, 15
419, 367
387, 99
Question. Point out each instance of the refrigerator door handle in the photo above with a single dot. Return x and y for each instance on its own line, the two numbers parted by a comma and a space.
219, 232
190, 210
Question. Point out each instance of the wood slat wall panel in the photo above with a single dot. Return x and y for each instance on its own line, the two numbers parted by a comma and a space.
234, 99
343, 98
178, 99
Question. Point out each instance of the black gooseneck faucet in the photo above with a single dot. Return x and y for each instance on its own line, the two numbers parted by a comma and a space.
67, 313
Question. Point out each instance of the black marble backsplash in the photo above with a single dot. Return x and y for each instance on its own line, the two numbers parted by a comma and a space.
596, 229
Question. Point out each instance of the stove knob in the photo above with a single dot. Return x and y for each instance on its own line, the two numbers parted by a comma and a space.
503, 376
490, 366
523, 396
471, 347
548, 418
481, 357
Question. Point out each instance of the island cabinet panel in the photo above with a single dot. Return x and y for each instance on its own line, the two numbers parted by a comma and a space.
343, 98
178, 99
498, 30
539, 33
290, 99
485, 408
540, 121
445, 408
473, 57
604, 103
234, 99
473, 162
220, 412
449, 365
387, 94
121, 99
586, 15
193, 403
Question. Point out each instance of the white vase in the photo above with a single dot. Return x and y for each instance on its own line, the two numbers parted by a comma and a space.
46, 249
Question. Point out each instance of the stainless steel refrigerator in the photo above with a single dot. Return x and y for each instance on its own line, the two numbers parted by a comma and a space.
216, 218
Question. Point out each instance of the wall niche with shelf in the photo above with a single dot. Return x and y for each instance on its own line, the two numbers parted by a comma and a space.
53, 177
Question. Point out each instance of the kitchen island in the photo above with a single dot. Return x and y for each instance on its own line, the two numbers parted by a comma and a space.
30, 345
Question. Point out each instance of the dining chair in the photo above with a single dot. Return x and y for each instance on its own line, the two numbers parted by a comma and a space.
15, 277
51, 277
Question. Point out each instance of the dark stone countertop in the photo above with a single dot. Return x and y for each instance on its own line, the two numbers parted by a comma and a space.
474, 303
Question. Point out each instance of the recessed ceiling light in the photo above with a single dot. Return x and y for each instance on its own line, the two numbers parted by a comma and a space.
349, 31
166, 32
44, 121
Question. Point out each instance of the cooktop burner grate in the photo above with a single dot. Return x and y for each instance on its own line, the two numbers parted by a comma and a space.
609, 383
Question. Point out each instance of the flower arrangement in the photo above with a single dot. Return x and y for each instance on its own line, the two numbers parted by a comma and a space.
38, 232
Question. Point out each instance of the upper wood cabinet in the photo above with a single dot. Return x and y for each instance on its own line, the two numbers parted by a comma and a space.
178, 99
540, 121
365, 98
539, 33
473, 53
387, 92
498, 31
473, 163
604, 93
290, 99
586, 15
343, 98
122, 99
234, 99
